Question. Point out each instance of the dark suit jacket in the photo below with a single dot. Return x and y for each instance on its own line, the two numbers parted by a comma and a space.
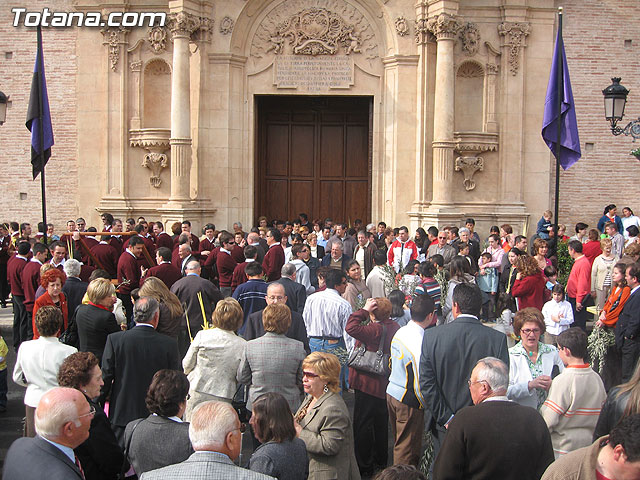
297, 330
94, 325
35, 459
296, 294
186, 289
100, 455
485, 440
326, 260
130, 360
449, 353
74, 289
149, 448
166, 272
629, 321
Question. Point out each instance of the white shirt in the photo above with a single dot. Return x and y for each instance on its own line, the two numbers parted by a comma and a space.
556, 308
627, 222
326, 314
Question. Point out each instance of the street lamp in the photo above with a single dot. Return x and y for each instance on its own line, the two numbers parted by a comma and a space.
3, 107
615, 98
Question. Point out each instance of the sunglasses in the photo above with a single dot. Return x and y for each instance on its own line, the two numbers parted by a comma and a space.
310, 374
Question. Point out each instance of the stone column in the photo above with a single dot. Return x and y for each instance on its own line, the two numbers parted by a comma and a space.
444, 27
182, 25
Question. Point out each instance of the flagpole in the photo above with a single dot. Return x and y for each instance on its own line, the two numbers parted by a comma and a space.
560, 95
41, 115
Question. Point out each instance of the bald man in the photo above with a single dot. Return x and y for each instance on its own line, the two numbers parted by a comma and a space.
62, 421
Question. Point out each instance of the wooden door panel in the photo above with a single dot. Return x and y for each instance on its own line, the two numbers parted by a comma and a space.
357, 151
332, 151
331, 199
300, 197
277, 141
356, 200
302, 151
276, 201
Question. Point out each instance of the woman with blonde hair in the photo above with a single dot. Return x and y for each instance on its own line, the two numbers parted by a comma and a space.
170, 308
601, 272
212, 361
528, 288
95, 321
541, 248
323, 420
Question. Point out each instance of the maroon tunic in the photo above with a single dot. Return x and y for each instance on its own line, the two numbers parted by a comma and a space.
15, 266
128, 269
225, 264
107, 256
166, 272
30, 283
273, 262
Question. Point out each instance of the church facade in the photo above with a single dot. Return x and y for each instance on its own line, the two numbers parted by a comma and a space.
417, 113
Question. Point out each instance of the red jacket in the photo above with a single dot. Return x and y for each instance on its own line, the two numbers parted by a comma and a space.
225, 264
579, 283
45, 299
370, 335
530, 291
273, 262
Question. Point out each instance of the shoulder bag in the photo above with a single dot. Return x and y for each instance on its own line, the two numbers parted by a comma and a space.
377, 362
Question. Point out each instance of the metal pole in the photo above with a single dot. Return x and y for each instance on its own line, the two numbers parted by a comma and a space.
560, 92
41, 113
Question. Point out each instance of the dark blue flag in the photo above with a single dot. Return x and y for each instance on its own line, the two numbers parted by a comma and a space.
39, 116
569, 141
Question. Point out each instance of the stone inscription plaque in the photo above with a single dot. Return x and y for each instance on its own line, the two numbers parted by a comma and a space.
313, 74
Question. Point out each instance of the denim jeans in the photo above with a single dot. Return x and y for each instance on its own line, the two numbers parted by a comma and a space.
319, 345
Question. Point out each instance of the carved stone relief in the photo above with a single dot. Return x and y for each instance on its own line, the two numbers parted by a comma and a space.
402, 27
157, 37
155, 162
470, 38
156, 142
113, 37
470, 69
423, 35
469, 166
226, 25
314, 27
444, 26
469, 146
183, 24
515, 34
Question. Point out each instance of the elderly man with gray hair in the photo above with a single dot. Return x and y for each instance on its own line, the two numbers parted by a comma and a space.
129, 362
215, 434
74, 288
495, 438
62, 422
187, 290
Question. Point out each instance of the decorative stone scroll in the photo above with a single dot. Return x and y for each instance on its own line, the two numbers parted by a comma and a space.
469, 146
402, 27
313, 74
226, 25
113, 37
470, 38
469, 166
517, 33
157, 37
314, 28
155, 162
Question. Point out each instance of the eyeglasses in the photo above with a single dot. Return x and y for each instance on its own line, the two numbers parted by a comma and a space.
242, 428
275, 297
310, 374
529, 331
92, 412
469, 382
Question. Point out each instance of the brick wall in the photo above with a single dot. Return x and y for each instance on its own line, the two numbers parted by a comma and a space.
21, 195
594, 34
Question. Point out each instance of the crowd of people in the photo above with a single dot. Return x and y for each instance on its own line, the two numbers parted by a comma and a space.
149, 353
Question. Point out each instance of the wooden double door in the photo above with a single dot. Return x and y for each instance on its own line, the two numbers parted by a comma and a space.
314, 156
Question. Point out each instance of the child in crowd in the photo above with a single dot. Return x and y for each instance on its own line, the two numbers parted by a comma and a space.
558, 315
551, 274
4, 351
488, 282
575, 398
441, 275
429, 285
544, 225
399, 311
463, 251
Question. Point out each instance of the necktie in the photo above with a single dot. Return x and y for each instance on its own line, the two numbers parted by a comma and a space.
79, 467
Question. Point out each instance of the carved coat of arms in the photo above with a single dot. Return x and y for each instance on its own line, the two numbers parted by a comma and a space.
316, 31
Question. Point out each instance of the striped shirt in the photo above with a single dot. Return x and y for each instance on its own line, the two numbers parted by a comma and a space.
326, 314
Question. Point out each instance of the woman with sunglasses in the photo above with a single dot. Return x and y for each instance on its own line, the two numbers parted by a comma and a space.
531, 362
323, 421
100, 455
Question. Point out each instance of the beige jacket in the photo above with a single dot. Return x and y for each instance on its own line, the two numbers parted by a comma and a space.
599, 271
328, 434
212, 361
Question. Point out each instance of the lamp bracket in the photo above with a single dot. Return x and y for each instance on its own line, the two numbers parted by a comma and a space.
632, 128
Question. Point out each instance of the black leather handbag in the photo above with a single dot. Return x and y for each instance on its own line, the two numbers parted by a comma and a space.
376, 362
